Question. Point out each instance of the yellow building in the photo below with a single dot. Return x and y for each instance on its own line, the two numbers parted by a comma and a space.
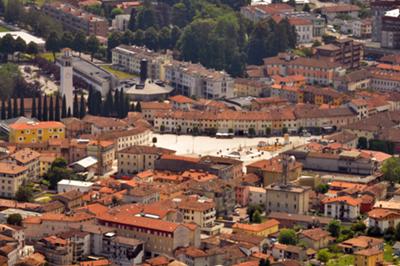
46, 159
368, 257
36, 132
264, 229
12, 176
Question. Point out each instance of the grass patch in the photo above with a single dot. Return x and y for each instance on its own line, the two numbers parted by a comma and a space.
388, 253
48, 56
341, 260
119, 74
4, 29
44, 198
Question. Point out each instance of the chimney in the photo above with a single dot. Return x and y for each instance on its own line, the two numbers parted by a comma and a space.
143, 70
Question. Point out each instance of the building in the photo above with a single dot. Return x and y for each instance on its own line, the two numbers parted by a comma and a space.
304, 29
248, 87
124, 251
340, 10
287, 198
368, 257
316, 238
346, 52
12, 177
66, 78
129, 58
383, 218
36, 132
259, 12
290, 220
271, 171
362, 28
104, 152
56, 250
27, 158
75, 19
257, 196
316, 71
390, 37
379, 9
359, 243
79, 241
264, 229
136, 159
195, 80
130, 137
343, 207
67, 185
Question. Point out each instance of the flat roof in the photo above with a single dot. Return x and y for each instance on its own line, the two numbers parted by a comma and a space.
75, 183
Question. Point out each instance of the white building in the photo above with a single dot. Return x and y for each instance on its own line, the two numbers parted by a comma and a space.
121, 22
28, 38
257, 196
68, 185
304, 29
342, 208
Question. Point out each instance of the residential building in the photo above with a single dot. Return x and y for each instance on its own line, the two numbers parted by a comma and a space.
353, 81
46, 159
304, 29
257, 196
248, 87
96, 125
104, 152
36, 132
71, 199
290, 220
378, 10
346, 52
263, 229
368, 257
76, 19
319, 96
362, 28
259, 12
128, 58
390, 37
282, 252
143, 193
121, 250
316, 238
150, 109
343, 207
383, 218
136, 159
27, 158
340, 10
287, 198
12, 176
271, 171
195, 80
359, 243
130, 137
79, 241
316, 71
56, 250
66, 185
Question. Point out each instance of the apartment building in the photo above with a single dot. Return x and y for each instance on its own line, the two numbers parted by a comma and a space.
319, 96
338, 10
342, 208
137, 158
316, 71
161, 237
263, 229
130, 137
256, 13
75, 19
379, 9
29, 159
362, 28
249, 87
191, 79
287, 198
36, 132
128, 58
390, 37
104, 151
304, 29
12, 176
346, 52
57, 251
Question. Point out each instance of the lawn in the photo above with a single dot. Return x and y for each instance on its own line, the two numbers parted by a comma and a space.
44, 198
341, 260
48, 56
117, 73
388, 253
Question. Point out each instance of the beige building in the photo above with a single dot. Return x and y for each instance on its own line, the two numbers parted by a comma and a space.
249, 87
104, 152
257, 195
12, 176
316, 238
29, 159
287, 198
127, 138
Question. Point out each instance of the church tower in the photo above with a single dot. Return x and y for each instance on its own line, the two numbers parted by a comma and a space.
66, 74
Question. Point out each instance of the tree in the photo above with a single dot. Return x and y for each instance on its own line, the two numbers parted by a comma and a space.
323, 255
113, 41
7, 46
397, 232
327, 39
15, 219
20, 46
15, 107
132, 20
391, 170
251, 209
22, 106
9, 109
64, 107
51, 109
362, 143
322, 188
24, 193
75, 107
146, 16
151, 38
256, 218
57, 109
69, 112
287, 237
32, 49
45, 115
116, 11
306, 8
13, 11
374, 231
67, 40
53, 44
252, 132
264, 262
3, 110
92, 46
138, 107
359, 226
58, 171
164, 38
82, 108
79, 42
334, 228
39, 108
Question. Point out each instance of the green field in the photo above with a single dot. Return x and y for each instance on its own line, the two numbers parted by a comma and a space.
344, 260
117, 73
3, 29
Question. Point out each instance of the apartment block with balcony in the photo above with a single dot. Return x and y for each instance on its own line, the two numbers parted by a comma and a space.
12, 176
346, 52
76, 19
287, 198
36, 132
57, 251
342, 208
390, 34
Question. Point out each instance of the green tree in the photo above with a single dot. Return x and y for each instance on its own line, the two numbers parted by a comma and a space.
397, 232
92, 46
306, 8
146, 16
51, 109
24, 193
22, 106
113, 41
32, 49
75, 106
79, 42
58, 171
9, 109
334, 228
3, 109
362, 143
53, 44
256, 217
323, 255
322, 188
39, 108
358, 226
45, 114
138, 107
82, 108
20, 46
132, 20
287, 237
151, 38
15, 219
33, 112
57, 115
391, 170
116, 11
165, 38
14, 11
15, 107
67, 40
64, 107
7, 46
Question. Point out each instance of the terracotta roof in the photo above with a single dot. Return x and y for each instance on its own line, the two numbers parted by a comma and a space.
362, 242
340, 8
103, 262
25, 156
181, 99
256, 227
348, 200
146, 150
155, 105
11, 169
315, 234
273, 165
369, 252
37, 125
383, 214
77, 217
100, 121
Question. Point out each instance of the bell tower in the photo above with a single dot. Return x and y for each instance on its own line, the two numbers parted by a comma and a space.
66, 75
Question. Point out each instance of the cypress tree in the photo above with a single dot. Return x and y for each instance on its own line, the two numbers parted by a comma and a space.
33, 113
82, 108
126, 107
121, 107
3, 109
108, 104
75, 107
57, 111
97, 103
45, 115
51, 109
138, 107
39, 108
90, 101
69, 112
22, 106
64, 107
117, 104
15, 107
9, 108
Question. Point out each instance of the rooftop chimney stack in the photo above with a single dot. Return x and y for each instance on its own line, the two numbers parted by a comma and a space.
143, 71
